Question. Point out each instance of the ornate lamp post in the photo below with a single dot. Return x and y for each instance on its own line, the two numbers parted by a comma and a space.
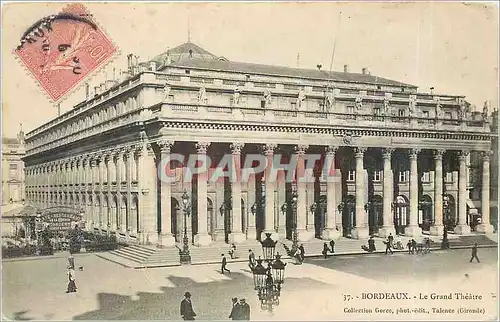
295, 241
268, 280
185, 255
253, 209
445, 244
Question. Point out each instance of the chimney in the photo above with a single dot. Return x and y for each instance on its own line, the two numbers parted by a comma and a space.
152, 65
130, 61
364, 71
103, 87
432, 90
87, 91
110, 83
346, 68
97, 90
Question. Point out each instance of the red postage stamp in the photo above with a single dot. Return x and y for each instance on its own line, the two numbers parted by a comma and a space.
64, 49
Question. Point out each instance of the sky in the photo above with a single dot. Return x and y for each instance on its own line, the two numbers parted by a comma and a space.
450, 46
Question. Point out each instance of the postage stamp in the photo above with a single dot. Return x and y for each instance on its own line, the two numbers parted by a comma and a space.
62, 50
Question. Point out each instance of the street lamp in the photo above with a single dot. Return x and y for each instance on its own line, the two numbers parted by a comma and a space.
295, 241
253, 209
445, 244
185, 256
268, 280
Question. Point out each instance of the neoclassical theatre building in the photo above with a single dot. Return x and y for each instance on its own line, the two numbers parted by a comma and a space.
403, 159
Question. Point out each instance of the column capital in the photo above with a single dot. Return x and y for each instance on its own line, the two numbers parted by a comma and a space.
387, 153
414, 153
438, 154
485, 155
166, 145
202, 147
269, 148
236, 147
301, 149
462, 155
331, 150
359, 152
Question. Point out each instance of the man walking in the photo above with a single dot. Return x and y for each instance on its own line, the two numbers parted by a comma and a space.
332, 246
224, 263
187, 312
474, 253
302, 252
235, 310
244, 310
390, 239
388, 245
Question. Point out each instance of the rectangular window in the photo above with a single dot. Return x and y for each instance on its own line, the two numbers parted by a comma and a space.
401, 113
351, 175
425, 114
293, 105
377, 175
426, 177
403, 177
13, 166
376, 111
350, 109
263, 104
447, 115
449, 177
188, 71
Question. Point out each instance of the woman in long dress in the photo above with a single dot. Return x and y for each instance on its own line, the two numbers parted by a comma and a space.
71, 280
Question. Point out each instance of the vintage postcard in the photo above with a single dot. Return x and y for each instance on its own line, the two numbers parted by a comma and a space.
250, 161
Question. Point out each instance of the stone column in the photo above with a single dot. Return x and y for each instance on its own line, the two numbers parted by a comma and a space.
485, 226
202, 238
112, 207
388, 227
330, 231
166, 238
413, 229
129, 153
236, 236
148, 230
438, 227
462, 228
361, 230
281, 195
269, 197
251, 200
302, 210
102, 178
120, 178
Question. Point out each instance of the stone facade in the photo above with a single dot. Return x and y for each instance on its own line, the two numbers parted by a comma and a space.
396, 153
13, 184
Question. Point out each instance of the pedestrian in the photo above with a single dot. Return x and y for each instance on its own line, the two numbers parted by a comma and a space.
332, 245
413, 245
371, 244
71, 280
224, 264
187, 312
251, 259
235, 310
390, 239
232, 251
409, 247
302, 252
244, 310
388, 245
325, 250
474, 253
71, 261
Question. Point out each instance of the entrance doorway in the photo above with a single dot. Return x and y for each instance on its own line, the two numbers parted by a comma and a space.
348, 215
401, 214
375, 215
319, 216
425, 214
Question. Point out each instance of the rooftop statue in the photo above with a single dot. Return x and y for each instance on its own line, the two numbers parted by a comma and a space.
358, 103
202, 95
412, 105
301, 98
166, 92
267, 96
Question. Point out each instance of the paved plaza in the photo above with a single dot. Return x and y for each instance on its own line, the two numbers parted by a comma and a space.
35, 289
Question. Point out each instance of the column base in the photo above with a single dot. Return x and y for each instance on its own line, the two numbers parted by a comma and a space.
202, 239
166, 240
330, 233
462, 230
360, 233
237, 238
304, 235
386, 230
437, 230
274, 235
413, 231
484, 228
219, 235
251, 233
282, 233
150, 238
